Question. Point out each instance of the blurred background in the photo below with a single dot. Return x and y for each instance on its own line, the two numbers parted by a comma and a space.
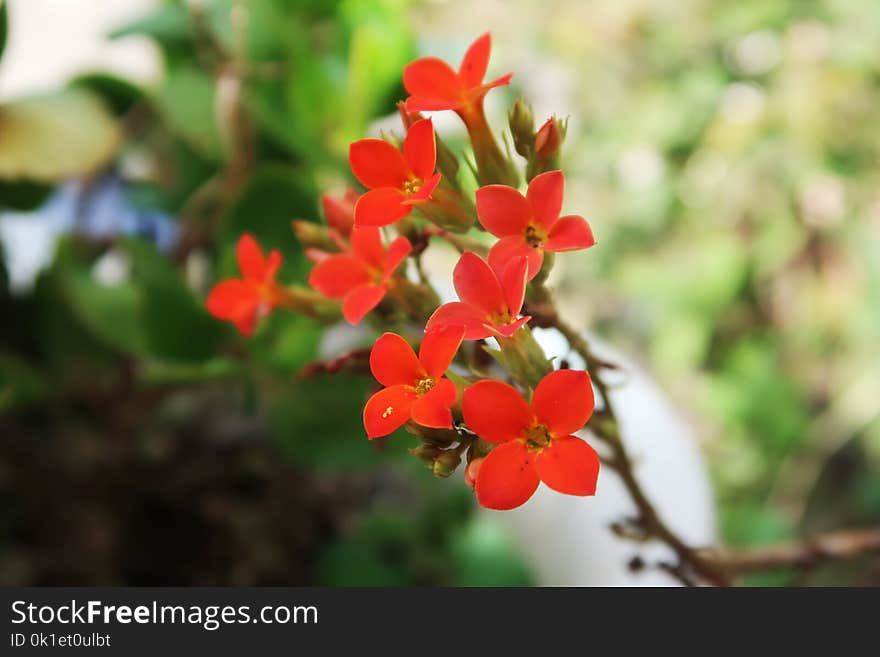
726, 154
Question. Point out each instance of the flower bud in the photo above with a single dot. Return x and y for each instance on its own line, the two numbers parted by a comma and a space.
548, 143
406, 117
548, 140
314, 236
524, 358
426, 453
339, 210
307, 302
416, 300
449, 210
522, 127
446, 463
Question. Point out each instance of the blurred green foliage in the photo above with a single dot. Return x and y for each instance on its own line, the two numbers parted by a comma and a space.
113, 356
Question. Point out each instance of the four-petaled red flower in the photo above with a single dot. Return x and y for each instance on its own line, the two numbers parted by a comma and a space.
433, 85
243, 301
397, 181
415, 386
528, 226
490, 303
533, 441
361, 275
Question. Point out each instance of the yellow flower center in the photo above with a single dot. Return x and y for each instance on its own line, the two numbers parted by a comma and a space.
412, 185
534, 237
424, 385
537, 437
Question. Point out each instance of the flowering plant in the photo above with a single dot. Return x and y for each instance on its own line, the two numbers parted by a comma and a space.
510, 419
508, 443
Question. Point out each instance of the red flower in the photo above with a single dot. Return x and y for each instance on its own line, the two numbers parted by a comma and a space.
360, 276
528, 226
433, 85
339, 211
415, 387
489, 303
397, 181
243, 301
534, 441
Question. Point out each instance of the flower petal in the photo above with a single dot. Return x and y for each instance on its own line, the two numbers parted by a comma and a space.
362, 300
337, 275
433, 408
366, 245
376, 163
495, 411
393, 362
563, 401
420, 148
398, 250
429, 104
380, 207
507, 330
477, 284
250, 258
463, 315
513, 284
476, 61
502, 210
439, 347
273, 264
232, 299
570, 233
431, 79
388, 410
568, 465
514, 246
506, 478
545, 197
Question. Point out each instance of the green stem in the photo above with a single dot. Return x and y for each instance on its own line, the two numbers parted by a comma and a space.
493, 167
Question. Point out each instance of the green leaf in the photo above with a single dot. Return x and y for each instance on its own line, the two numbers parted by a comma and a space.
186, 100
55, 136
265, 206
379, 47
23, 195
175, 324
286, 341
109, 312
151, 313
118, 94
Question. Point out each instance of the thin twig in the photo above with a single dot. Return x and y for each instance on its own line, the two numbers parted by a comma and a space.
843, 544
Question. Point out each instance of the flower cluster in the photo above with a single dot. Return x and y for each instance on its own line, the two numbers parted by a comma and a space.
512, 417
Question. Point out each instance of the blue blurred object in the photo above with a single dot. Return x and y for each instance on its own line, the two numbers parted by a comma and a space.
103, 209
100, 208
